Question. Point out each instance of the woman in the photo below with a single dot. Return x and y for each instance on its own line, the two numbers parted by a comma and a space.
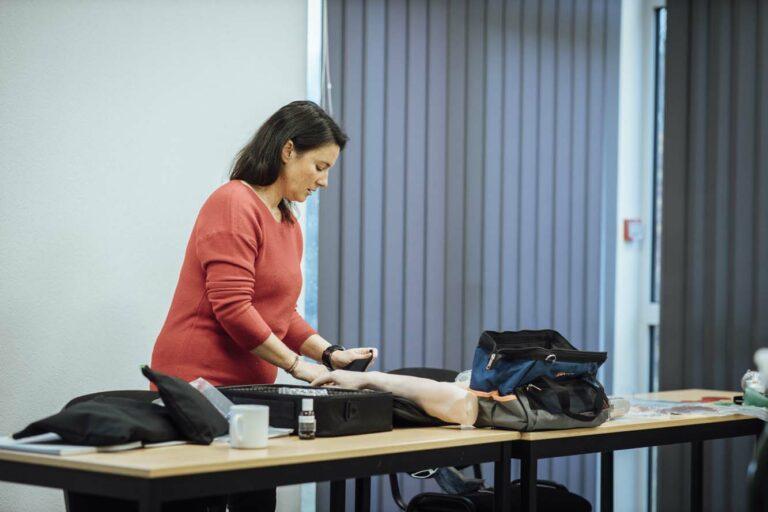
233, 317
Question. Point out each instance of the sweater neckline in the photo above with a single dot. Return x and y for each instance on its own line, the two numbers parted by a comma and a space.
263, 203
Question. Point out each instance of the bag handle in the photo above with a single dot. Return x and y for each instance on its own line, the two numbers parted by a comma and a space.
564, 399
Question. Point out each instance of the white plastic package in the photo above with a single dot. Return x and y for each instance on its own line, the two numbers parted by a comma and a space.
754, 380
619, 406
464, 377
216, 397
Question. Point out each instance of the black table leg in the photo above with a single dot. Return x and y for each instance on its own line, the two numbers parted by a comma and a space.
148, 501
363, 494
501, 478
697, 475
338, 495
149, 505
606, 482
528, 478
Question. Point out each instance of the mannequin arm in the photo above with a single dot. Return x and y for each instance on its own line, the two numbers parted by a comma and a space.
442, 400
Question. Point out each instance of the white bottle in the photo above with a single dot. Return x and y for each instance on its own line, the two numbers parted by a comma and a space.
307, 424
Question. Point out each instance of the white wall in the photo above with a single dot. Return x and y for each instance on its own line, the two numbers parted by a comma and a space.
118, 119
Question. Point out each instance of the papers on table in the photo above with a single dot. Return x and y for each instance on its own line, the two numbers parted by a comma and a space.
663, 409
279, 432
51, 444
273, 433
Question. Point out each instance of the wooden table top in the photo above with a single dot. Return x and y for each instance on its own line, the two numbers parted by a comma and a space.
634, 424
193, 459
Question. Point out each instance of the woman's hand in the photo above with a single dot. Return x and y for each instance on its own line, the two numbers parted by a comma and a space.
343, 379
309, 372
341, 358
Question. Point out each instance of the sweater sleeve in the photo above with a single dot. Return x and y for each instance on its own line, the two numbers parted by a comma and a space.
298, 332
227, 260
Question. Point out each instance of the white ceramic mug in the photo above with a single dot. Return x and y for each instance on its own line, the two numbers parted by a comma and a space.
248, 426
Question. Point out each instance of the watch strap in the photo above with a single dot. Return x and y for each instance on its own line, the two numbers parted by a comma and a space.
327, 355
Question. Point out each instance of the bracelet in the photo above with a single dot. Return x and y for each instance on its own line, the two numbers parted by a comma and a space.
326, 358
293, 366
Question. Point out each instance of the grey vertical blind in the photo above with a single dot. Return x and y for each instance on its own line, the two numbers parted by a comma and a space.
478, 189
715, 237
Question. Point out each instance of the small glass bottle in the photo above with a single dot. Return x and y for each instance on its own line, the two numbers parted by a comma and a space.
307, 425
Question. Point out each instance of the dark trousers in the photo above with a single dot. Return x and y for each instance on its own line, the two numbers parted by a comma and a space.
257, 501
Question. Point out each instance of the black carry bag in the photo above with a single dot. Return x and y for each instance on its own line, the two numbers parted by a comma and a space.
102, 420
547, 404
536, 380
106, 421
550, 497
340, 412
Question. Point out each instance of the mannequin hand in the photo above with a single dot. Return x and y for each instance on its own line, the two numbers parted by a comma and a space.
309, 372
342, 358
343, 379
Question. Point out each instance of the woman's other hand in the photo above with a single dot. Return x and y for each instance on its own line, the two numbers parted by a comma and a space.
343, 379
341, 358
309, 372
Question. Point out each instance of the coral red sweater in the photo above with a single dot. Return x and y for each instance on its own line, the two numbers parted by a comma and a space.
239, 283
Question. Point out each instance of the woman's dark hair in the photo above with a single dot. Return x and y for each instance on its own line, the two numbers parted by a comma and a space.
303, 122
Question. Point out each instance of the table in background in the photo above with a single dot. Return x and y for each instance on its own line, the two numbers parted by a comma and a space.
153, 476
627, 434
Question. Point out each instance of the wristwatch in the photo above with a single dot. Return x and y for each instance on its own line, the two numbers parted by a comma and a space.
327, 355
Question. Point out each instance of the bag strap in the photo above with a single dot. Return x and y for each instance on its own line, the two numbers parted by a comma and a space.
564, 399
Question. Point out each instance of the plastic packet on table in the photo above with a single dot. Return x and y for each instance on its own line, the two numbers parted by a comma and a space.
209, 391
216, 397
619, 406
753, 380
664, 409
470, 403
761, 360
464, 377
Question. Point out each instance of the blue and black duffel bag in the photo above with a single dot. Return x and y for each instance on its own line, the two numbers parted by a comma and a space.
536, 380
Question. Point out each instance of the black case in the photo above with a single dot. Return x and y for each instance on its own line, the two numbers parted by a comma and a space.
342, 412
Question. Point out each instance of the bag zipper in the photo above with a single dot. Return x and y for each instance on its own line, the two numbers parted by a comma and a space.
542, 354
